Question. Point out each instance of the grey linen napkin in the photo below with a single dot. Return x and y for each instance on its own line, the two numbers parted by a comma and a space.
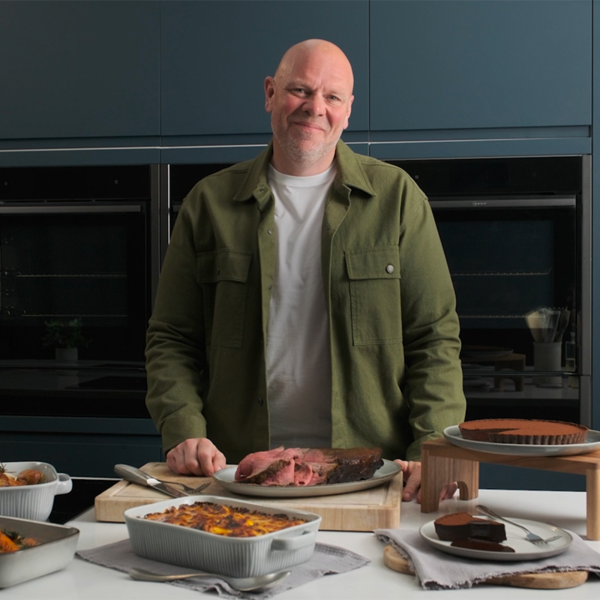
326, 560
435, 570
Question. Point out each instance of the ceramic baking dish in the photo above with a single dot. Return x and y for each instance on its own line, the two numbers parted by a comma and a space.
33, 501
236, 557
55, 551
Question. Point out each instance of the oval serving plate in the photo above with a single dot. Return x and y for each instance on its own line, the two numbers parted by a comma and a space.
523, 550
592, 442
225, 477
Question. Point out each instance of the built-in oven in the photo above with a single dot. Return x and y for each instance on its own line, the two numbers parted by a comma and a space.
76, 262
516, 236
176, 181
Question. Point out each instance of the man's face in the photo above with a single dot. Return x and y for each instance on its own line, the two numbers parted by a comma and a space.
310, 100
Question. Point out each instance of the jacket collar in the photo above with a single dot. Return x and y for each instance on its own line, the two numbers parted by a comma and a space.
350, 174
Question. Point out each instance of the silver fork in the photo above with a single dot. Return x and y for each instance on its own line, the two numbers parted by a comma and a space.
187, 489
532, 537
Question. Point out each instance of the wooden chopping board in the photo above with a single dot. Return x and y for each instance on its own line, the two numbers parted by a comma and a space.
545, 581
365, 510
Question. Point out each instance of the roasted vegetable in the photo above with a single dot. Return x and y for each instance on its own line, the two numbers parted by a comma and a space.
11, 541
26, 477
30, 476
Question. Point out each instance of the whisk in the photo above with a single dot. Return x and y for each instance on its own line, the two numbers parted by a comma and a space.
548, 324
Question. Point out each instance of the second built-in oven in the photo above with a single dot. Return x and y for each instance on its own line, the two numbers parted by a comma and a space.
516, 236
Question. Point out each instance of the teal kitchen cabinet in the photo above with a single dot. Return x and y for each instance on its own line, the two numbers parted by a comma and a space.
215, 56
79, 69
452, 64
80, 446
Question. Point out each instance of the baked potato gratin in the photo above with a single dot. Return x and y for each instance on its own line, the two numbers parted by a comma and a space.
224, 520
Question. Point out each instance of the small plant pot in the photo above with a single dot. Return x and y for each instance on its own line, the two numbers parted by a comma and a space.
66, 355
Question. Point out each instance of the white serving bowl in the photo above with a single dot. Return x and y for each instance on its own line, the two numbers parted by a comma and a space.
57, 545
235, 557
33, 501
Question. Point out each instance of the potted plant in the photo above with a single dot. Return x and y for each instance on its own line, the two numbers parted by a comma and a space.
66, 337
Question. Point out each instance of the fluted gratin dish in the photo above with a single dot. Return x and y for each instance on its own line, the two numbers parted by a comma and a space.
33, 501
232, 556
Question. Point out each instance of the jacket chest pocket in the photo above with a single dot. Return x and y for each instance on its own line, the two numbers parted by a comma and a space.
223, 275
375, 296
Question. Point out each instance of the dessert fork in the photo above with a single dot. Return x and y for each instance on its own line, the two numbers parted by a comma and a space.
186, 488
532, 537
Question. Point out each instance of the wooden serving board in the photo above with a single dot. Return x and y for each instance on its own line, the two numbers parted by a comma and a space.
545, 581
365, 510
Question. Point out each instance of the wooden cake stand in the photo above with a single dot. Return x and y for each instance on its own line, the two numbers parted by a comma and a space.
443, 463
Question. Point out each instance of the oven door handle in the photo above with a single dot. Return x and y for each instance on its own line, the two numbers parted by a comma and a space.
55, 210
516, 203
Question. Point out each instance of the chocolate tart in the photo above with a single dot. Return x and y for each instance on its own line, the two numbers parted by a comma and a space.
523, 431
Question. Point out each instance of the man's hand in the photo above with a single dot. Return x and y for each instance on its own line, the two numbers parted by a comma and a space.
196, 456
412, 482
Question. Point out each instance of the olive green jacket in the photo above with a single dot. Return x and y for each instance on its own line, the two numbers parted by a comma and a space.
396, 375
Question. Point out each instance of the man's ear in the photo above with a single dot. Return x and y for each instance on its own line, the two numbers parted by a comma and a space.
269, 93
349, 112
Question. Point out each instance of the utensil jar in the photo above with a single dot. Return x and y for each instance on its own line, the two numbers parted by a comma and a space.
547, 357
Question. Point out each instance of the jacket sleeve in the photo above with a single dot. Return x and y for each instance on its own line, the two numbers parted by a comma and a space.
430, 329
175, 346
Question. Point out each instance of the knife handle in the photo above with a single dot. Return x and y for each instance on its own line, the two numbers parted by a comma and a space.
132, 474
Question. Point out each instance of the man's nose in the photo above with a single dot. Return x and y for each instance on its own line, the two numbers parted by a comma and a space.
315, 105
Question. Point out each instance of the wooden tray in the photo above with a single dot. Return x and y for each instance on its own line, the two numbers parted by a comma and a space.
545, 581
365, 510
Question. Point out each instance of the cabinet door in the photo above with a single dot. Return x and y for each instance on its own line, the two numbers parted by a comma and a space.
459, 64
215, 56
79, 69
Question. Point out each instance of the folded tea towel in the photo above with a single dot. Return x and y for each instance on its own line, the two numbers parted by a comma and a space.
326, 560
435, 570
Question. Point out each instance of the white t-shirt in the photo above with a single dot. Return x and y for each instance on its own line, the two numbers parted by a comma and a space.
298, 348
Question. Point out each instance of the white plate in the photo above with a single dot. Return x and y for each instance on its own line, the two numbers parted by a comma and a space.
592, 442
523, 550
225, 477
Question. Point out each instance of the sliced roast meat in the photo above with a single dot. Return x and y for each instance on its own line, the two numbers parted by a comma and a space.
308, 466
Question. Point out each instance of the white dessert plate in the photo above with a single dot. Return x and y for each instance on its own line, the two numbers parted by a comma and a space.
225, 477
515, 539
592, 442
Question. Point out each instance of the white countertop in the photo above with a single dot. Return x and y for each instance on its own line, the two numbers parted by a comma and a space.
83, 581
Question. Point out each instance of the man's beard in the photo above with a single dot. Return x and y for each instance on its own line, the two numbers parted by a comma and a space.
294, 149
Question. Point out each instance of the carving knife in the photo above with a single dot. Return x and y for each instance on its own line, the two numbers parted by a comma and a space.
136, 476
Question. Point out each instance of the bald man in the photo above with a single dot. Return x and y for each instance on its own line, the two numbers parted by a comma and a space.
304, 299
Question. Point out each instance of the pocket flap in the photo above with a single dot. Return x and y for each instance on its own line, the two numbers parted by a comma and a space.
379, 263
223, 265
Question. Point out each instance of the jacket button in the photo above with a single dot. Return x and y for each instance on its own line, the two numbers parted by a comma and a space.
390, 268
260, 401
270, 231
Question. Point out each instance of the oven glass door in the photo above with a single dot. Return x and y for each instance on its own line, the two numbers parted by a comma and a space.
64, 262
509, 258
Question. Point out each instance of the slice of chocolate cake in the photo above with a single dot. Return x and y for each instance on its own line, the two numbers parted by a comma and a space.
462, 525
